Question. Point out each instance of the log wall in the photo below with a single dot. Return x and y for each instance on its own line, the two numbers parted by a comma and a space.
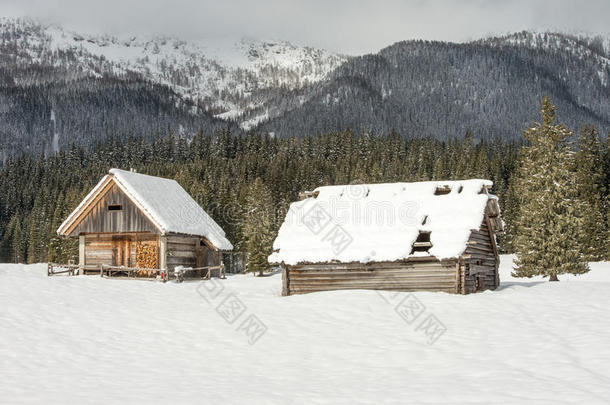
417, 275
98, 249
480, 261
102, 248
190, 252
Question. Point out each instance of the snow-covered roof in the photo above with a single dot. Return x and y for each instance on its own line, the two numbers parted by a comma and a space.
165, 203
380, 222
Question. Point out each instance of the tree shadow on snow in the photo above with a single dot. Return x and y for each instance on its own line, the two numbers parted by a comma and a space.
270, 273
527, 284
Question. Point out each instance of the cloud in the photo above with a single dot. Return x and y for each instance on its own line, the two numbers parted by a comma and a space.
349, 26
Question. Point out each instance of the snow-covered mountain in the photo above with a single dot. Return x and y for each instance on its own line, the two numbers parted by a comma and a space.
595, 50
233, 79
490, 88
59, 87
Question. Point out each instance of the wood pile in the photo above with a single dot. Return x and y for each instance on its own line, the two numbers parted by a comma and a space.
147, 256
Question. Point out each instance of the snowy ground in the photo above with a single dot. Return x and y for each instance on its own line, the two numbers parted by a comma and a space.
92, 340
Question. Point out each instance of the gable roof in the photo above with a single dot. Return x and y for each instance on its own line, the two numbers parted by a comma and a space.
380, 222
169, 207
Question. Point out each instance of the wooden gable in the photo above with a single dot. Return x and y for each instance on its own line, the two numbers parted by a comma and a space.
481, 260
112, 211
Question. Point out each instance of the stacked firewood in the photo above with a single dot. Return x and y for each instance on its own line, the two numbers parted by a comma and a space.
147, 255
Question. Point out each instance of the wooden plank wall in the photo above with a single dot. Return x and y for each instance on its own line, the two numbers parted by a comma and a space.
480, 261
99, 219
189, 252
430, 275
99, 246
98, 249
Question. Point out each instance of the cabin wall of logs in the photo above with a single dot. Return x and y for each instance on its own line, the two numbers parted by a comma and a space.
146, 251
475, 270
480, 261
190, 252
411, 275
125, 249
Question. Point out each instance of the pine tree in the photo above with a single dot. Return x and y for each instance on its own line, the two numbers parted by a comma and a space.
258, 226
56, 244
16, 241
481, 164
217, 172
510, 210
606, 202
549, 226
465, 158
590, 178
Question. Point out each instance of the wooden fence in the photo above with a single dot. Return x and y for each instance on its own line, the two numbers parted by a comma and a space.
137, 273
200, 272
54, 269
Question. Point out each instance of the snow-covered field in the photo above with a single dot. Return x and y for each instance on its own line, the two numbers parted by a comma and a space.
93, 340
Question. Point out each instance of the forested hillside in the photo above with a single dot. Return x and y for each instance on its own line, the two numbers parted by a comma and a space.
59, 87
221, 173
442, 90
44, 117
52, 99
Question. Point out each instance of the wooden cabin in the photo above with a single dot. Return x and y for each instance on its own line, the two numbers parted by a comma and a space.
134, 220
425, 236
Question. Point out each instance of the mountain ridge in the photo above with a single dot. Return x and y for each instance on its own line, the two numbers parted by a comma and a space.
490, 87
226, 75
97, 86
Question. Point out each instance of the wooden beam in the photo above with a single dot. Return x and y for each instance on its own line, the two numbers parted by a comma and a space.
81, 253
308, 194
163, 252
492, 235
285, 285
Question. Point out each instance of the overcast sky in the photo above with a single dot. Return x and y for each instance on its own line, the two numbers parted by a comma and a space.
348, 26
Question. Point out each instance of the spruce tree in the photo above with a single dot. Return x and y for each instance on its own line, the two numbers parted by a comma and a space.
55, 246
590, 178
258, 229
17, 241
217, 172
549, 224
510, 210
606, 202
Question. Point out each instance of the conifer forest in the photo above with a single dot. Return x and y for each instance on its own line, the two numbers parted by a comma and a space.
232, 175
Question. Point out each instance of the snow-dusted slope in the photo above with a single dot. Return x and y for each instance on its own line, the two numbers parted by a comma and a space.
90, 340
233, 79
595, 50
490, 88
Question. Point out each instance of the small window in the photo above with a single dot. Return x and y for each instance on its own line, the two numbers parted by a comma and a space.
115, 207
442, 190
422, 243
